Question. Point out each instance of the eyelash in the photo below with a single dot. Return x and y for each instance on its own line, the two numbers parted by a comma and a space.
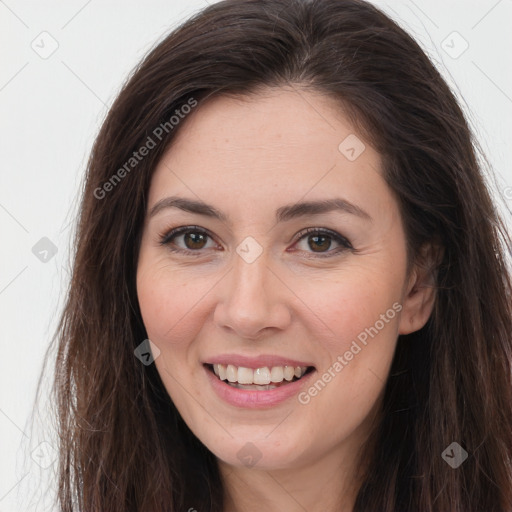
345, 245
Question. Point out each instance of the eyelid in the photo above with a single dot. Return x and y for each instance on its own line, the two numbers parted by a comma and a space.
323, 231
166, 236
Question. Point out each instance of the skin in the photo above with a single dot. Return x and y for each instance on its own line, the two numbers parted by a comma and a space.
248, 157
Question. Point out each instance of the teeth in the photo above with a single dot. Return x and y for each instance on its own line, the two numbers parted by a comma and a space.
245, 375
253, 387
289, 372
232, 373
277, 374
260, 376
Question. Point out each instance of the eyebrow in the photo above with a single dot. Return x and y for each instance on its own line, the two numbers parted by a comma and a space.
283, 214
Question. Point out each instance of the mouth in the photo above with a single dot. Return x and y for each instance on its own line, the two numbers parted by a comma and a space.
259, 379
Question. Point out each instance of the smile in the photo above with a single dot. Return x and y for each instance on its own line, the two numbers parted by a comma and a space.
258, 388
264, 378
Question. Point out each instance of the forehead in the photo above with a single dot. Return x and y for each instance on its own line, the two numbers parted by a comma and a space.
254, 152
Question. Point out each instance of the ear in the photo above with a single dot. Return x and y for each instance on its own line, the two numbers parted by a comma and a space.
420, 290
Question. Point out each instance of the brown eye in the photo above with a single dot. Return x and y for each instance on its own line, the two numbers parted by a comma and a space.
195, 240
323, 242
319, 243
188, 239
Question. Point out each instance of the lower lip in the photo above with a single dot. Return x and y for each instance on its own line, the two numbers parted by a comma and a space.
256, 399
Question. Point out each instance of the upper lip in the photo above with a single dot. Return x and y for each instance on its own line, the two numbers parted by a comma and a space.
261, 361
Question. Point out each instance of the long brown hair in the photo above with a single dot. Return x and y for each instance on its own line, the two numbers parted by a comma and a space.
124, 446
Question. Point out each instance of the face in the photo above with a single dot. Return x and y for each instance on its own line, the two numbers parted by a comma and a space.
272, 241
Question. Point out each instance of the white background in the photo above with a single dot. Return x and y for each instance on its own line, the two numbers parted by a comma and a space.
50, 111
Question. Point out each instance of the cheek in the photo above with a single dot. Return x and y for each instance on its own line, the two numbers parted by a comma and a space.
347, 304
362, 319
171, 304
356, 327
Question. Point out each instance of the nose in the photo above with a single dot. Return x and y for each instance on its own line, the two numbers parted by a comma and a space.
252, 300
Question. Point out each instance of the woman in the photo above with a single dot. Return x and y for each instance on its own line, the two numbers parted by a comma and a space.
289, 289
